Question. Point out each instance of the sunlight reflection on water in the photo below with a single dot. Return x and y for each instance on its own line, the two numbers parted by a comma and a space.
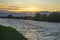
34, 30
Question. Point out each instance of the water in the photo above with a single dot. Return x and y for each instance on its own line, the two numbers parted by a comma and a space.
34, 30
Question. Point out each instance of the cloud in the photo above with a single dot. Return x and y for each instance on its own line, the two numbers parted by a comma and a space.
15, 3
7, 7
11, 3
17, 7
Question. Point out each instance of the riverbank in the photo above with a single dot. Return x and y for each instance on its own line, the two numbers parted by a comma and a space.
8, 33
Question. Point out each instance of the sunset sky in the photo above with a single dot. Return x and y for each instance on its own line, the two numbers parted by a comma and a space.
30, 5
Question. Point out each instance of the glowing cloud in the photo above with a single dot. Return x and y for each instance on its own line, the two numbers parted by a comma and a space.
30, 5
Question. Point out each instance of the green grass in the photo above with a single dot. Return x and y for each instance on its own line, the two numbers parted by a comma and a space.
8, 33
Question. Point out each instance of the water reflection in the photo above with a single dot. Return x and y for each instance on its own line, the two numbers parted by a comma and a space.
34, 30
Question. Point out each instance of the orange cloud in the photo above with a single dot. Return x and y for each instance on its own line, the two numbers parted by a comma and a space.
7, 7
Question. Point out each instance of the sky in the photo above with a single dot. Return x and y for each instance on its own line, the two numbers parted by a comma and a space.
30, 5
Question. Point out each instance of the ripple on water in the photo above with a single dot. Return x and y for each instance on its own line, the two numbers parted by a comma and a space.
34, 30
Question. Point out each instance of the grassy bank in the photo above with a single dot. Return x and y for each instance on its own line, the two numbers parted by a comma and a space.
8, 33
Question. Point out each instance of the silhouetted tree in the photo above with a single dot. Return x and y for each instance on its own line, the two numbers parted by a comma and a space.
44, 17
9, 16
37, 17
28, 17
54, 17
40, 17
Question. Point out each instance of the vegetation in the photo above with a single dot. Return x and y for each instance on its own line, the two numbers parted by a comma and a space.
40, 17
28, 17
8, 33
10, 16
52, 17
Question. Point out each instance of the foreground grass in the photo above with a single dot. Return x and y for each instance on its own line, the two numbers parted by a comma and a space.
8, 33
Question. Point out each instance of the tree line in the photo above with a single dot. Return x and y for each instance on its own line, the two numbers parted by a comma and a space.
52, 17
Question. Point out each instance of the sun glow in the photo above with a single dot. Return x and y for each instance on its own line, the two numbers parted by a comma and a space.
30, 9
